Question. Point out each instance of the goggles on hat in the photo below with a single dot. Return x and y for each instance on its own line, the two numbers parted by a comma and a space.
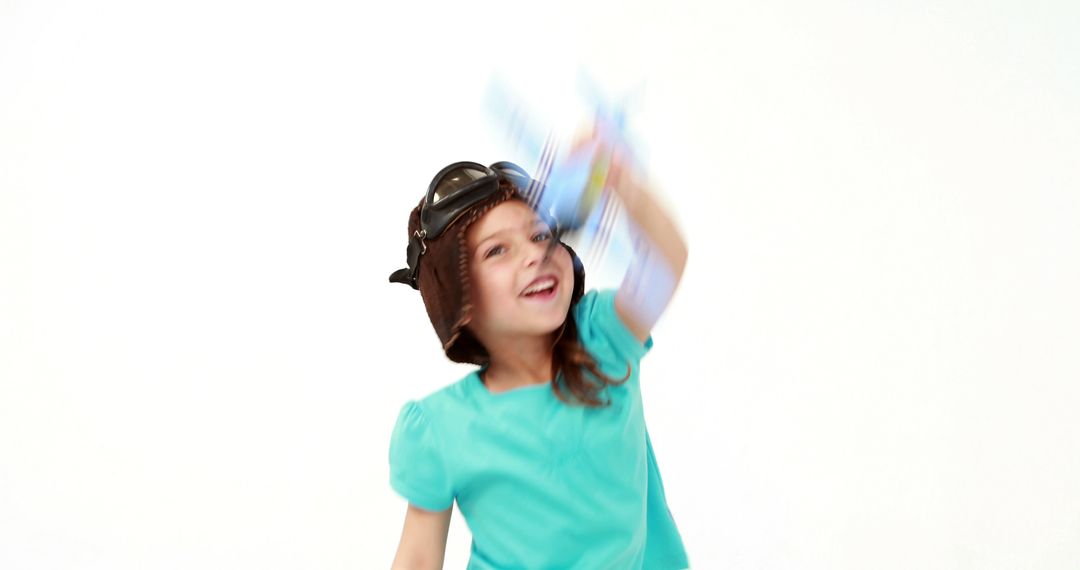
452, 193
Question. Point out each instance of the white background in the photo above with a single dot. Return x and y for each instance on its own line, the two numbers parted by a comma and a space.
872, 361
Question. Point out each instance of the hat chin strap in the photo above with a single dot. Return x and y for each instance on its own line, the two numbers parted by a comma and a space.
416, 249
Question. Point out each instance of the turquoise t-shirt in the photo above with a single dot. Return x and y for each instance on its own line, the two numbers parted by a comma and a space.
543, 484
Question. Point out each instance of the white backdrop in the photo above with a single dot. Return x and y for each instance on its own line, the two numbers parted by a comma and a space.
871, 363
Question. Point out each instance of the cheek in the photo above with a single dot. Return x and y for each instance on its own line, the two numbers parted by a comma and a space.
566, 269
564, 261
477, 288
487, 282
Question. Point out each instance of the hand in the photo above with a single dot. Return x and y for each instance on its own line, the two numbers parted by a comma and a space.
614, 167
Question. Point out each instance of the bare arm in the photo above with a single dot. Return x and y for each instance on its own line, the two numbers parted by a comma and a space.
423, 540
659, 254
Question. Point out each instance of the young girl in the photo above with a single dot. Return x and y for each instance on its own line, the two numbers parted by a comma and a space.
544, 447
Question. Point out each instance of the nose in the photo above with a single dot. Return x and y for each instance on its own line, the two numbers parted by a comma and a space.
538, 252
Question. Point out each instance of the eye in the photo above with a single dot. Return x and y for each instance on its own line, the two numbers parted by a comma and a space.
544, 236
493, 251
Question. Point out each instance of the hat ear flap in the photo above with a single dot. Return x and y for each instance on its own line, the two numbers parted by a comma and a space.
579, 274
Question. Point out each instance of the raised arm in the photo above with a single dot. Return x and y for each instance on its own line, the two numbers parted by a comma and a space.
660, 251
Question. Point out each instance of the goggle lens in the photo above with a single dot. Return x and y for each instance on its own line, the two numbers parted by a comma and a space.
456, 180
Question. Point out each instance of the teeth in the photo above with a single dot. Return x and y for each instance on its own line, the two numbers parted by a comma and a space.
545, 284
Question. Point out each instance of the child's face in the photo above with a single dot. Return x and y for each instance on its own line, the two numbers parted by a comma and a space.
508, 251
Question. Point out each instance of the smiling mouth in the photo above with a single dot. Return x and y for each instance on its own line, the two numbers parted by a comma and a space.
543, 290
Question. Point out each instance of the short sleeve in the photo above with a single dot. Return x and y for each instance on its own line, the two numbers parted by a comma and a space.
603, 333
418, 471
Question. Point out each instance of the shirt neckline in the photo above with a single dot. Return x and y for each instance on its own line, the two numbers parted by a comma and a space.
474, 378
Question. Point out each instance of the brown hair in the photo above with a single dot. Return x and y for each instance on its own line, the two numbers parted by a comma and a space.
571, 358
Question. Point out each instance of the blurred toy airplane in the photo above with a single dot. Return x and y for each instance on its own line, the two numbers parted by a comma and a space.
571, 185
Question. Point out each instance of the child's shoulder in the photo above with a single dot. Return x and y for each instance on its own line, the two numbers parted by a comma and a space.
603, 333
591, 302
595, 305
446, 398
